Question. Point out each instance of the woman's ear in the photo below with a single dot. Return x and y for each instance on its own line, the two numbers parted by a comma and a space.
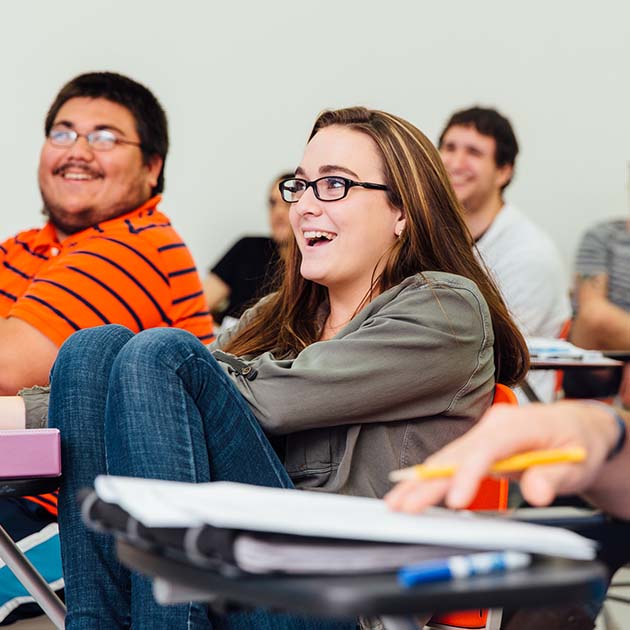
400, 224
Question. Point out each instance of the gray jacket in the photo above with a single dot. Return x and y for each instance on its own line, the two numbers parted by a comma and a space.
411, 372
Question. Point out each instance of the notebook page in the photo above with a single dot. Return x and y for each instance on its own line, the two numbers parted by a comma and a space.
241, 506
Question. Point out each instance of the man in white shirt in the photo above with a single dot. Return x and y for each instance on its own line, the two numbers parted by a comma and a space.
479, 150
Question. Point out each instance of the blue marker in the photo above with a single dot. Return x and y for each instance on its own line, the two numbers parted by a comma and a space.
457, 567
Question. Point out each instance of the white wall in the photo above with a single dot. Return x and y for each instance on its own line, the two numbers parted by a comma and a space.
243, 81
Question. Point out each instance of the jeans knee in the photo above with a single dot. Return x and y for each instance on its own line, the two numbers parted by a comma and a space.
87, 351
80, 378
158, 347
161, 358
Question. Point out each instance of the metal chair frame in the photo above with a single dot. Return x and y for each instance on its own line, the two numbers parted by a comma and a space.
18, 563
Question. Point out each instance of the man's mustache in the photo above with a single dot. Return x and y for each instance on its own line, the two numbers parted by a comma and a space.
77, 167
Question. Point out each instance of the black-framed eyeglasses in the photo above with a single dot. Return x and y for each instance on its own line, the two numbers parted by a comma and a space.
328, 188
99, 140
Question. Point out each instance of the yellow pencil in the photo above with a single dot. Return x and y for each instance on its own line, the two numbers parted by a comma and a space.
510, 464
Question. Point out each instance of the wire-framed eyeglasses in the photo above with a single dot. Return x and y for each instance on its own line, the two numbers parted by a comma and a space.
328, 188
99, 139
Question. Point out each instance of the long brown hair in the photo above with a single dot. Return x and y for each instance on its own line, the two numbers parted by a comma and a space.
435, 238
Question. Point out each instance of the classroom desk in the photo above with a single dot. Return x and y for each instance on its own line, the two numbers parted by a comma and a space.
563, 363
547, 582
620, 355
178, 577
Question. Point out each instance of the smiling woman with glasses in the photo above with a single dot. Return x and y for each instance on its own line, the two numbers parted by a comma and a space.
381, 342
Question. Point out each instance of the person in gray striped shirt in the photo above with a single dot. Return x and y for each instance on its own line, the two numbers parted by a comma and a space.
602, 301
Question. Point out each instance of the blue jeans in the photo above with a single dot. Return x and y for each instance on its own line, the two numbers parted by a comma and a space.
153, 405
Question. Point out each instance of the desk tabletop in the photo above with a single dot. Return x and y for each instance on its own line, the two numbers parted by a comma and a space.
586, 363
620, 355
548, 581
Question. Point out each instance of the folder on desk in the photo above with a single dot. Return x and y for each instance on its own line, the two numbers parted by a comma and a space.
274, 527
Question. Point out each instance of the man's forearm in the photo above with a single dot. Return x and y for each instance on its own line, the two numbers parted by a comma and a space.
26, 356
601, 325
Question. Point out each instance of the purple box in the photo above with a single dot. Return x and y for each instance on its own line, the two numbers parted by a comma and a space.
30, 453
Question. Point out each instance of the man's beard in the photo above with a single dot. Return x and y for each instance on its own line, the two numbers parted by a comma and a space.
68, 223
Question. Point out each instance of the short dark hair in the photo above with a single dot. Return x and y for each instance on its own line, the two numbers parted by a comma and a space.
488, 122
148, 114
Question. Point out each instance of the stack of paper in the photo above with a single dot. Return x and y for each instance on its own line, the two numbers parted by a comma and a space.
302, 513
265, 553
544, 348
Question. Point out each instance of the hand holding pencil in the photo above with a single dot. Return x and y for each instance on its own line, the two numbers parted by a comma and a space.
551, 449
515, 463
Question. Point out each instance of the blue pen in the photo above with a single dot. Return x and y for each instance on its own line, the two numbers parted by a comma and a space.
457, 567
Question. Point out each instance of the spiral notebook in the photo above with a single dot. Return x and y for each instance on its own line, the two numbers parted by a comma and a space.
255, 509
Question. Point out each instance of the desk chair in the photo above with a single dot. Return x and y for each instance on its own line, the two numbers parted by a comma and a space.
559, 374
30, 466
161, 554
547, 582
564, 335
492, 495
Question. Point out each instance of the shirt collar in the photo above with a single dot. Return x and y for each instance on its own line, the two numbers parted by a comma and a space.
45, 239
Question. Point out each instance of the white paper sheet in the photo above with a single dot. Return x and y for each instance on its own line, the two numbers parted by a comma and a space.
241, 506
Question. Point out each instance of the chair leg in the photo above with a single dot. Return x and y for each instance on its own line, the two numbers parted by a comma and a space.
399, 622
32, 581
493, 620
529, 392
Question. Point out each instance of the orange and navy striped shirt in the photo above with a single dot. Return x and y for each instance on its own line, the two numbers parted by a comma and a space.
133, 270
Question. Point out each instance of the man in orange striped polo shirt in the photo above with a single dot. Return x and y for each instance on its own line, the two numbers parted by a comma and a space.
106, 254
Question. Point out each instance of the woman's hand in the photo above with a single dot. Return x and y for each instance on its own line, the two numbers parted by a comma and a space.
506, 430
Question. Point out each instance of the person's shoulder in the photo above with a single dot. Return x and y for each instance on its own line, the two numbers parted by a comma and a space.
518, 223
136, 241
24, 236
150, 231
510, 228
426, 285
243, 251
436, 299
29, 232
253, 242
257, 240
524, 238
444, 279
145, 224
607, 229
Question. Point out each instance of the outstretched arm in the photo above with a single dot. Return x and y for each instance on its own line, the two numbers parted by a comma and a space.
598, 323
505, 431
